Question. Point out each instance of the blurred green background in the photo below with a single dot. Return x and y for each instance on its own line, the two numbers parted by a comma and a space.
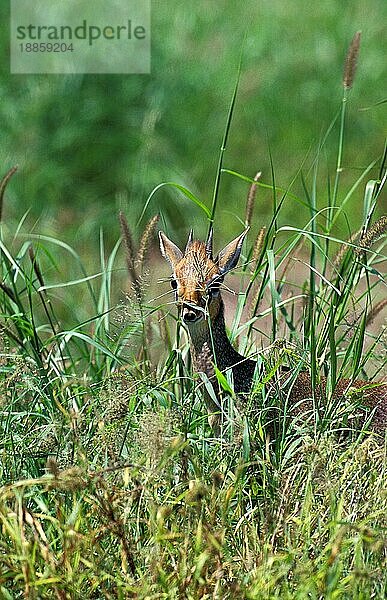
90, 145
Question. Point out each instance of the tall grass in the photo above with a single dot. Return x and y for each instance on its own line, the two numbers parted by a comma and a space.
114, 485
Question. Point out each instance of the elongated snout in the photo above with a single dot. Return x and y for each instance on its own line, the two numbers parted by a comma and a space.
190, 314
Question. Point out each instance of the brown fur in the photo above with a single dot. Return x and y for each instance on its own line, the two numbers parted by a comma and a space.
192, 273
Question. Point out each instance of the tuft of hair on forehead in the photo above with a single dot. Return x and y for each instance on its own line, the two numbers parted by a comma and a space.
196, 247
196, 263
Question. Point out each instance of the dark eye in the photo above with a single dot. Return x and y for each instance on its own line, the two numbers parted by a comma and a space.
173, 283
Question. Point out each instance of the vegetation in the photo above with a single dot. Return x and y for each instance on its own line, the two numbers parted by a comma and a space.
89, 146
113, 483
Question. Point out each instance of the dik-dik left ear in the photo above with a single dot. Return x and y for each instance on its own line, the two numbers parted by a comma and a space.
169, 250
228, 257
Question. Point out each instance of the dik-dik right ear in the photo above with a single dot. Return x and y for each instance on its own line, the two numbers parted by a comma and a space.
228, 258
169, 250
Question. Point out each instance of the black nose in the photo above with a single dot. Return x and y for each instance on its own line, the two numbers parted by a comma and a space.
190, 316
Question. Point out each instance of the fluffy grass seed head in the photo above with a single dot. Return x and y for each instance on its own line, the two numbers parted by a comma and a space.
128, 245
351, 61
338, 259
371, 236
251, 200
146, 241
258, 244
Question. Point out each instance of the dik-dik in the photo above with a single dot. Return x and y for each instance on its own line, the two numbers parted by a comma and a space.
196, 279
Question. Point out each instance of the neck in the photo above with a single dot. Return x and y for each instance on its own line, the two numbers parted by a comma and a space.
210, 337
213, 334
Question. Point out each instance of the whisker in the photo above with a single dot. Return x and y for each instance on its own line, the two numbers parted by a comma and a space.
162, 295
165, 315
172, 303
225, 288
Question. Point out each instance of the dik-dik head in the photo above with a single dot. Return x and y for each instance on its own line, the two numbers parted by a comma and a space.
197, 276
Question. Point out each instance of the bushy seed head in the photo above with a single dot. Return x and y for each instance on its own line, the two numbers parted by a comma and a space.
258, 244
251, 200
145, 242
351, 61
372, 235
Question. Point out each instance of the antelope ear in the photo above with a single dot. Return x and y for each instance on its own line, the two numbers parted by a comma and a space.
169, 250
228, 257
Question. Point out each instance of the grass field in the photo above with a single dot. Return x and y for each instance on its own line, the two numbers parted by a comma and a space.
114, 485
